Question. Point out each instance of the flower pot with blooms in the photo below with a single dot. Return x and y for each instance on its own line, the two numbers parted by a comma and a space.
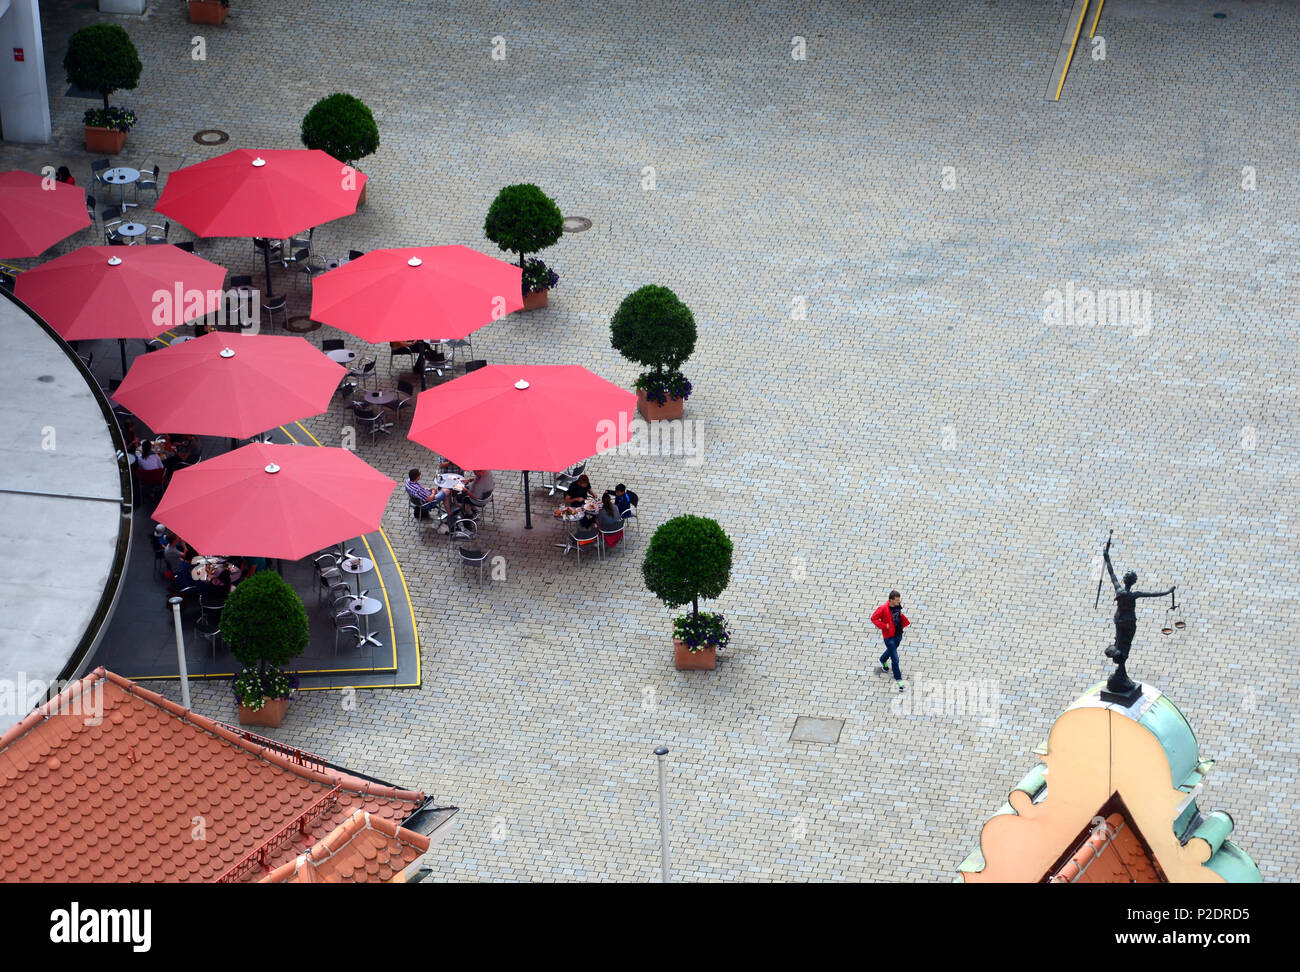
263, 696
662, 394
537, 279
106, 129
696, 640
688, 558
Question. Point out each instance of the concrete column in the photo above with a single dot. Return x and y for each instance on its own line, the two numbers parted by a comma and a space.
24, 100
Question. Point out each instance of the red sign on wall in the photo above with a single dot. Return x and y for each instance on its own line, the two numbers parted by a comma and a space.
18, 54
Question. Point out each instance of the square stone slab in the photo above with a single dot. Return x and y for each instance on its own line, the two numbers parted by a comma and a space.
809, 729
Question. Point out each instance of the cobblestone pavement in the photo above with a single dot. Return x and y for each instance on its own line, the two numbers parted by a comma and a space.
922, 427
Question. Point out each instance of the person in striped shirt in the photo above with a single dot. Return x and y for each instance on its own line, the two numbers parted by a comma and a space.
422, 494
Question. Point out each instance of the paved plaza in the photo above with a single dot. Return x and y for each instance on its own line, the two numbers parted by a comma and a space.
869, 238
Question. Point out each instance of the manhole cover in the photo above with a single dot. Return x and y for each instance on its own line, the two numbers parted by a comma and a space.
809, 729
295, 324
576, 224
212, 136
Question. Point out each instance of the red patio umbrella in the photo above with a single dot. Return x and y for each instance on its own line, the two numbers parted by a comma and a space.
236, 385
272, 194
36, 213
274, 501
523, 417
417, 292
122, 291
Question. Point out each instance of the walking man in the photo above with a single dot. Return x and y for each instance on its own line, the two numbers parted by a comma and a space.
891, 621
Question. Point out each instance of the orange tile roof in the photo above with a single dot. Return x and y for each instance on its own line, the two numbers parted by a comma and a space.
154, 792
363, 850
1110, 855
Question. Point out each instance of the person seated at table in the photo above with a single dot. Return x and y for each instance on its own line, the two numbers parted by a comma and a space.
248, 566
64, 175
624, 499
608, 519
130, 436
176, 552
185, 451
482, 484
146, 458
578, 493
422, 494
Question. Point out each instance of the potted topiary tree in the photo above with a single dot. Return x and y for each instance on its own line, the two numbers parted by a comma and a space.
653, 328
209, 11
345, 128
523, 219
688, 558
101, 58
265, 625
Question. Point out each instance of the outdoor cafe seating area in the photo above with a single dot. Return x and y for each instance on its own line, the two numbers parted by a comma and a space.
198, 406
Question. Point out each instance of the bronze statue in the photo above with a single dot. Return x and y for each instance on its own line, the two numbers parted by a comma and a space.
1119, 684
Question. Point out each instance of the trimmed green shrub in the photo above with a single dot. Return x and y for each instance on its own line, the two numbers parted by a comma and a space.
342, 126
688, 558
654, 328
103, 59
264, 621
523, 219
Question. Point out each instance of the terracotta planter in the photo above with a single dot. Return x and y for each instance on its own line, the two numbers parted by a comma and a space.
208, 12
270, 715
535, 300
685, 660
671, 409
104, 141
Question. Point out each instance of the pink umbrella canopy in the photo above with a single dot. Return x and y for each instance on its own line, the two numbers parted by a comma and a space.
236, 385
525, 417
277, 501
122, 291
417, 292
274, 193
35, 213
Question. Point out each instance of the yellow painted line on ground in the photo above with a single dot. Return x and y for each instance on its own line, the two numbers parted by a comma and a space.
1073, 44
415, 629
392, 630
1100, 4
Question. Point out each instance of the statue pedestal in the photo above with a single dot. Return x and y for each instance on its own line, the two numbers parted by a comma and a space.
1126, 698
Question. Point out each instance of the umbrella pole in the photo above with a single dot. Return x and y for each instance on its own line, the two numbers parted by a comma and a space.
528, 509
121, 347
266, 256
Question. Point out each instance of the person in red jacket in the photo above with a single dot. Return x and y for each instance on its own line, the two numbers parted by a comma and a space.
891, 621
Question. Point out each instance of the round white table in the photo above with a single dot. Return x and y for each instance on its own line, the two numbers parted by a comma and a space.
342, 356
122, 176
131, 230
382, 397
357, 566
364, 607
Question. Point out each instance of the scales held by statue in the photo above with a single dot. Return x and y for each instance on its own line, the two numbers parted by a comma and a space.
1119, 687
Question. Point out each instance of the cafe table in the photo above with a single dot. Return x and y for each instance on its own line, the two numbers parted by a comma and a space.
364, 607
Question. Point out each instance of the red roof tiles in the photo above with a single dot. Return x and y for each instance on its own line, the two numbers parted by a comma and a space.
154, 792
362, 849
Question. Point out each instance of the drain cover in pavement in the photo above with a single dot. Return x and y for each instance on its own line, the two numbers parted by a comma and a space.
211, 136
808, 729
576, 224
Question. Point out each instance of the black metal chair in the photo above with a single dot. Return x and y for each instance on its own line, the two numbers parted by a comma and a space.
97, 170
148, 180
474, 366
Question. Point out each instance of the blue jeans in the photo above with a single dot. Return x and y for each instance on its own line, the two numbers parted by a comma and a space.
891, 654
